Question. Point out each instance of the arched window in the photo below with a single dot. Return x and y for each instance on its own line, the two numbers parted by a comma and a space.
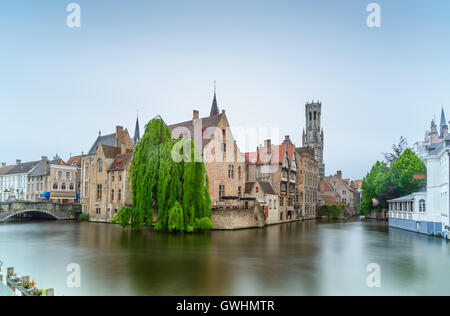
55, 185
315, 115
310, 116
68, 175
100, 166
63, 186
422, 206
71, 187
60, 175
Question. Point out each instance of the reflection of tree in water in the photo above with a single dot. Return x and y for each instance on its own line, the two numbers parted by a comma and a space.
167, 264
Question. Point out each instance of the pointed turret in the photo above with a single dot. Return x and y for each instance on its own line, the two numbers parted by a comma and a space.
137, 134
214, 107
443, 126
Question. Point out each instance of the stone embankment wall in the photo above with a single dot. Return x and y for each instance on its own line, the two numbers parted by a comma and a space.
242, 219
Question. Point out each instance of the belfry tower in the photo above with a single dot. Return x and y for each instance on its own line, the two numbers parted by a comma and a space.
313, 136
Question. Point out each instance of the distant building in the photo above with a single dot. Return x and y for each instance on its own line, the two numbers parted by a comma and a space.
344, 192
432, 136
55, 181
15, 181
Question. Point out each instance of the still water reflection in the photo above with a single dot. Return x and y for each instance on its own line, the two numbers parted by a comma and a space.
305, 258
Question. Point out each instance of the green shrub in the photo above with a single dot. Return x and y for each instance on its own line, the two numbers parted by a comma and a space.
84, 217
203, 224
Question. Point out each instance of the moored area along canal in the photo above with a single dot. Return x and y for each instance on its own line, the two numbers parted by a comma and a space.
304, 258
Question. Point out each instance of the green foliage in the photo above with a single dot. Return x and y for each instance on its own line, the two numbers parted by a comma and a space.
403, 170
203, 224
330, 211
167, 176
383, 183
83, 217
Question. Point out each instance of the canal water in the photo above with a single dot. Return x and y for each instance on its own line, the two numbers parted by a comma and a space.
304, 258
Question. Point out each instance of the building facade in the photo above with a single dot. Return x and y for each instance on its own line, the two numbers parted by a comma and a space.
313, 135
347, 195
105, 183
277, 165
429, 212
224, 162
307, 182
265, 196
15, 181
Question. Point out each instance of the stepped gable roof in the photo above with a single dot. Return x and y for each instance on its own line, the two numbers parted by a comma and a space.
277, 154
206, 122
25, 167
106, 140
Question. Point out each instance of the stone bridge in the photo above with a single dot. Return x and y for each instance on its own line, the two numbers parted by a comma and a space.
51, 210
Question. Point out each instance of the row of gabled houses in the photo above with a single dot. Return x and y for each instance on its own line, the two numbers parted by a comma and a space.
282, 179
34, 181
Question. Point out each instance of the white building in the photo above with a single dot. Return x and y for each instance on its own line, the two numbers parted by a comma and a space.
431, 218
14, 182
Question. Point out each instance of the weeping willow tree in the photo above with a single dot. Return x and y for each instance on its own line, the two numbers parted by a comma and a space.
167, 177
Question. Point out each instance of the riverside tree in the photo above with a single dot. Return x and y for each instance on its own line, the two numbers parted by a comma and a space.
383, 183
167, 177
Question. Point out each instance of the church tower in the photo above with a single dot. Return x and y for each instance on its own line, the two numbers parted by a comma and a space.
313, 136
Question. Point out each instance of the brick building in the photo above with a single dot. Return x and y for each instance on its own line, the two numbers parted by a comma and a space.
55, 181
224, 163
345, 193
277, 165
105, 183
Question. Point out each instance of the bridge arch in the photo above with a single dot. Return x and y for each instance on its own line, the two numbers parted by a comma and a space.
31, 211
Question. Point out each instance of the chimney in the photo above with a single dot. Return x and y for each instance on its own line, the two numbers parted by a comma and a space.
195, 115
119, 136
3, 164
18, 161
268, 146
339, 174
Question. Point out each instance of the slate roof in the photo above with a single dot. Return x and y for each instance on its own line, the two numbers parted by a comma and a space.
405, 198
121, 161
111, 151
25, 167
107, 140
206, 122
5, 169
249, 187
266, 187
137, 134
74, 161
41, 169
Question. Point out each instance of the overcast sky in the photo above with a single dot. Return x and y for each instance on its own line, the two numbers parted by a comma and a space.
59, 86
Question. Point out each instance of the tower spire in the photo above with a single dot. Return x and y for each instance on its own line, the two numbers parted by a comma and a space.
214, 107
443, 125
137, 134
